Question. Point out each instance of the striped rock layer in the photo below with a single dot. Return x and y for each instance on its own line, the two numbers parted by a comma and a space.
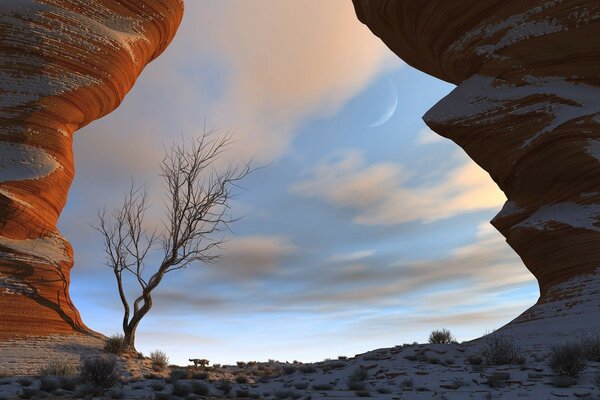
526, 109
63, 64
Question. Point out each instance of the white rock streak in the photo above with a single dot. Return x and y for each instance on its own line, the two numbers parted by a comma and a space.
21, 162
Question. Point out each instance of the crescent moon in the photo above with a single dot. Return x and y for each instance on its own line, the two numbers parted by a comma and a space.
391, 107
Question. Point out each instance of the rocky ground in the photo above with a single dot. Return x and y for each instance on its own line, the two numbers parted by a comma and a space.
417, 371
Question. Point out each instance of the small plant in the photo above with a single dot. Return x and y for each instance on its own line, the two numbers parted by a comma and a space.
224, 387
307, 369
356, 381
241, 379
88, 391
322, 386
568, 360
474, 359
384, 390
202, 375
115, 344
159, 359
362, 393
441, 336
242, 393
407, 384
157, 386
58, 367
433, 360
301, 385
497, 379
68, 383
501, 350
200, 389
24, 382
176, 374
591, 348
563, 381
49, 384
181, 389
289, 369
100, 371
29, 393
342, 358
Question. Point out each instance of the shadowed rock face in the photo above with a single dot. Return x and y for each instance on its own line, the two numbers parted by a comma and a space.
63, 64
527, 110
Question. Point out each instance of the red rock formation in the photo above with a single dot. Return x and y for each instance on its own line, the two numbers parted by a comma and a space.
527, 110
63, 64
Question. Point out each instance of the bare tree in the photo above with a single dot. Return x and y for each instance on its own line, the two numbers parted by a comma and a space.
197, 200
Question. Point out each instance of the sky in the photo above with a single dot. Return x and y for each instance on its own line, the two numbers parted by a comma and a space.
361, 229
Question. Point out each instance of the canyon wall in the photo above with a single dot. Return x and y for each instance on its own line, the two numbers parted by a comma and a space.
526, 109
63, 64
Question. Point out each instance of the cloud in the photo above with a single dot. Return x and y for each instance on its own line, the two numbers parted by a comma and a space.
252, 256
350, 257
380, 193
427, 136
474, 276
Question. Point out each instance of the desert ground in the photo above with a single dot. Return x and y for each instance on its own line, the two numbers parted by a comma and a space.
408, 371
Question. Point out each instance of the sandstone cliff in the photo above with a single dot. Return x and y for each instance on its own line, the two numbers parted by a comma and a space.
63, 64
527, 110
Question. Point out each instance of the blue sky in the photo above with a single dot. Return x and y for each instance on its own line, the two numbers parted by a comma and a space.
351, 238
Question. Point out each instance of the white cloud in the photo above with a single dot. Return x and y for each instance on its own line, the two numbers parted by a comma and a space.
249, 256
350, 257
380, 195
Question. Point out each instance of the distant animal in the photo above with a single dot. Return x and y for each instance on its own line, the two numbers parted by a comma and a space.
199, 361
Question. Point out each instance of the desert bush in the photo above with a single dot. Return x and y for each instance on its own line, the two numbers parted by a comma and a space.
157, 386
202, 375
322, 386
356, 381
100, 371
176, 374
474, 359
49, 383
568, 360
181, 389
441, 336
563, 381
362, 393
89, 391
501, 350
68, 383
384, 390
159, 359
115, 394
200, 389
307, 369
241, 379
115, 344
301, 385
497, 379
24, 381
224, 387
407, 383
164, 396
242, 393
289, 369
58, 367
591, 348
29, 393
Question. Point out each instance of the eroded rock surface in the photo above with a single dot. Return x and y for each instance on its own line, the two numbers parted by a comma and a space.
63, 64
527, 110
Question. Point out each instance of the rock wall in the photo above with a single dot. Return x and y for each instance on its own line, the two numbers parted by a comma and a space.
63, 64
527, 110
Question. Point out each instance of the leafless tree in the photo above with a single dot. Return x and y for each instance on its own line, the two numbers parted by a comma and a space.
196, 205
